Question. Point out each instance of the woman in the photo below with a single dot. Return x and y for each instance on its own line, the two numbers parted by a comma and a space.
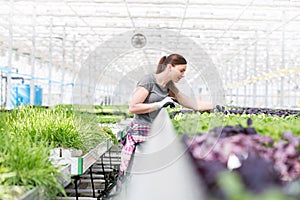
153, 92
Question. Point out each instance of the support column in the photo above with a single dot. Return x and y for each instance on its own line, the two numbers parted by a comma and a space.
245, 77
73, 67
63, 67
10, 47
50, 66
88, 95
282, 60
254, 71
231, 81
238, 79
32, 89
267, 71
81, 83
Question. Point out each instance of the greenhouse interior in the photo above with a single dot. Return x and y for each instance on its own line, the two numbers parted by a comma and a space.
80, 121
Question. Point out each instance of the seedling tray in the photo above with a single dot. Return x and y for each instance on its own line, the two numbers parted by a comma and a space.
65, 178
34, 194
79, 164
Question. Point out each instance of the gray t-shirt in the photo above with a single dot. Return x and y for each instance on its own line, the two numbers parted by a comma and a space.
156, 93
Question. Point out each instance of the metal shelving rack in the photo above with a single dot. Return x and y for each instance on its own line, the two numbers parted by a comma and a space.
98, 180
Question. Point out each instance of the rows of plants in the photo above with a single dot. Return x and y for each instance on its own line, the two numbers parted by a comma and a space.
112, 114
252, 110
241, 110
244, 155
106, 114
27, 135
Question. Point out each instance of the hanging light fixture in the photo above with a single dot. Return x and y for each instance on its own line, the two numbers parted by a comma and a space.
138, 40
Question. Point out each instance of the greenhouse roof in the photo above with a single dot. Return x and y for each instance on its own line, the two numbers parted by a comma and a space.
137, 32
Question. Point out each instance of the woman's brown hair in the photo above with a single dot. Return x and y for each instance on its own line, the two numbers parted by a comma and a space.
173, 59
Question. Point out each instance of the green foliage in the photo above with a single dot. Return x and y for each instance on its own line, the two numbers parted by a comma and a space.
196, 122
110, 119
112, 108
24, 163
271, 125
28, 133
109, 132
231, 184
53, 126
3, 119
90, 130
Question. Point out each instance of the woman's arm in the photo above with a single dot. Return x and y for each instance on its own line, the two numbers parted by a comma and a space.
137, 106
188, 102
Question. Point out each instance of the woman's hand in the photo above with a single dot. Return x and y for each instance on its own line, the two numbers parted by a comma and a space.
167, 101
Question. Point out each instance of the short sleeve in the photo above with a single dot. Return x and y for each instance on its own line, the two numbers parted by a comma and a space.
146, 82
